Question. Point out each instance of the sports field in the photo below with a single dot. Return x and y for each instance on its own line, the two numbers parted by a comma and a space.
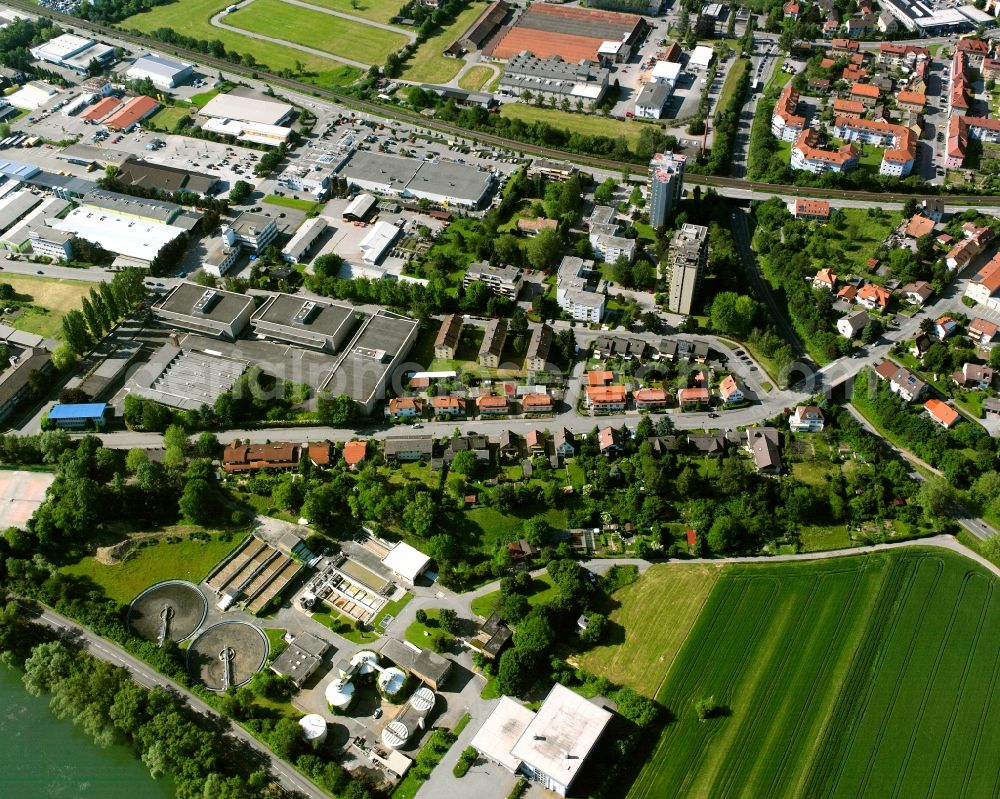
191, 18
333, 35
869, 676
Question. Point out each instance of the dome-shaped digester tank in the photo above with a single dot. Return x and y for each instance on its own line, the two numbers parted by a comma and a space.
339, 694
313, 727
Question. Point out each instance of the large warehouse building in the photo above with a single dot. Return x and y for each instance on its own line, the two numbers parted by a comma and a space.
446, 182
257, 110
571, 33
73, 52
163, 72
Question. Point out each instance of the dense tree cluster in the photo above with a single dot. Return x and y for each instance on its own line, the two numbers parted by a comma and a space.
102, 309
109, 12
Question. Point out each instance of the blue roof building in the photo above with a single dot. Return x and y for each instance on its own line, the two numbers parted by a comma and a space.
80, 414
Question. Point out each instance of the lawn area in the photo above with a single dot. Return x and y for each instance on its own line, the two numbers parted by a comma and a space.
474, 79
325, 32
191, 18
427, 64
201, 99
588, 124
188, 560
643, 658
861, 234
375, 10
275, 641
424, 634
835, 679
290, 202
45, 302
542, 591
738, 70
492, 528
168, 117
820, 537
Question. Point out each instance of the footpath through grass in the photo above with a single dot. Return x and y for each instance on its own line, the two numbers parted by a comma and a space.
156, 560
191, 18
866, 676
334, 35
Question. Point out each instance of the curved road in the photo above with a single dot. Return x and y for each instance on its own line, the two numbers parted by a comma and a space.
148, 677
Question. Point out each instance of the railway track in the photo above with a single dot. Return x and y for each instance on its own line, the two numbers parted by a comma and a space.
402, 115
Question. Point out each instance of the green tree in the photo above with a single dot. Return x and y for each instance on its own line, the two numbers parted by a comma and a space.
339, 411
240, 192
465, 463
935, 497
199, 502
419, 514
448, 619
605, 193
135, 458
543, 250
75, 332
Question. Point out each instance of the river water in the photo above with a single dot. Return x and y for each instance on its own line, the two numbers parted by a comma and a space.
44, 758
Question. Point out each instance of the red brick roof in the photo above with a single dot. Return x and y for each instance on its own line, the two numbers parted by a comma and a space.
135, 110
100, 110
355, 452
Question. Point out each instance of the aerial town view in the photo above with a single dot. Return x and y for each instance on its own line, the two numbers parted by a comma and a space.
486, 399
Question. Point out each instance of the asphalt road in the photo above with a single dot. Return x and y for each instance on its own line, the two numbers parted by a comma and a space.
143, 674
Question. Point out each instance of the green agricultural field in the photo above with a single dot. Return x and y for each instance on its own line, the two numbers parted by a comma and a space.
868, 676
325, 32
587, 124
40, 303
673, 592
191, 18
427, 64
157, 561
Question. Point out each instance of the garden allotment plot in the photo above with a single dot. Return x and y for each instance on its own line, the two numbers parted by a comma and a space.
872, 676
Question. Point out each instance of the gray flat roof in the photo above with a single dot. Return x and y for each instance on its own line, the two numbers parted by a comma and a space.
247, 109
158, 65
247, 222
370, 355
379, 167
452, 179
137, 172
126, 204
324, 319
228, 305
16, 209
446, 178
